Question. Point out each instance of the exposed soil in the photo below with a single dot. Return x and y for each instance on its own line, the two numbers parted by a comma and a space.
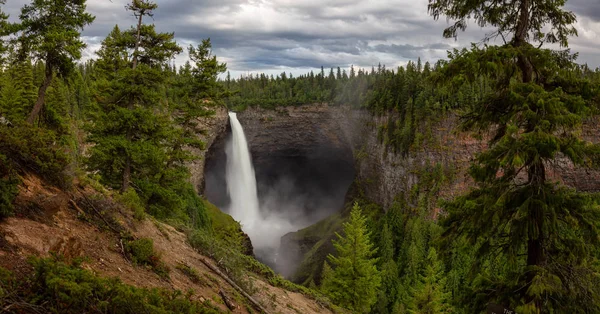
50, 221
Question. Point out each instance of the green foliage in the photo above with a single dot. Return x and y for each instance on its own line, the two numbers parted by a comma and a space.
354, 281
18, 92
35, 149
8, 187
224, 227
50, 31
142, 252
190, 273
142, 128
229, 255
132, 201
59, 288
545, 22
534, 239
430, 296
4, 32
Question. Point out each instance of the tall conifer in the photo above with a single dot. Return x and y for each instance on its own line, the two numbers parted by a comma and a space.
50, 31
355, 279
545, 231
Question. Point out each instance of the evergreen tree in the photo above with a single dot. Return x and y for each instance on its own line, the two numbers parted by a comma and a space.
517, 215
389, 271
133, 123
354, 280
18, 92
50, 32
430, 295
5, 30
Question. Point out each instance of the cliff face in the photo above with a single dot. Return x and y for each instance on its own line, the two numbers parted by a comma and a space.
279, 138
302, 159
208, 130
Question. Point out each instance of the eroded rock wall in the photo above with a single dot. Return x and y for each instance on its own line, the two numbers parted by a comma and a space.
208, 130
382, 174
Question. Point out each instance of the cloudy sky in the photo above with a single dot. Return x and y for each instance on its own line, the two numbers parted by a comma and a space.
296, 36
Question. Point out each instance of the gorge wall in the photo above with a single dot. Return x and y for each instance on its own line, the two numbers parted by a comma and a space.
312, 153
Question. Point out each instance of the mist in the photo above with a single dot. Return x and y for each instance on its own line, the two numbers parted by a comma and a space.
293, 190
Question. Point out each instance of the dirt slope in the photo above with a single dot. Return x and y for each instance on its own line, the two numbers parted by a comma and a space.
52, 221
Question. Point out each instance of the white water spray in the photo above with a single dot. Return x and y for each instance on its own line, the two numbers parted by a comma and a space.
241, 180
264, 231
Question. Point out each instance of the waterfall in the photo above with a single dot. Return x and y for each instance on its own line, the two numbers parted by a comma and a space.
241, 180
264, 229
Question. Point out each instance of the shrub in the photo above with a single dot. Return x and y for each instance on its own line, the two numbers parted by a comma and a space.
132, 201
191, 273
35, 149
56, 287
8, 187
142, 252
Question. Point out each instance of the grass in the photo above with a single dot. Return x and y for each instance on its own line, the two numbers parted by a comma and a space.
191, 273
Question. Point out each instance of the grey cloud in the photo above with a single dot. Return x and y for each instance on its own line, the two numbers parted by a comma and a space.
587, 8
410, 51
270, 35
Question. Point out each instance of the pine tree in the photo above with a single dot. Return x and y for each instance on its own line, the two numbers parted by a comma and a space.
18, 91
50, 31
389, 271
5, 31
430, 295
132, 129
354, 280
133, 123
543, 230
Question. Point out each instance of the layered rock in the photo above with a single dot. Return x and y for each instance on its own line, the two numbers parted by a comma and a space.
208, 130
351, 135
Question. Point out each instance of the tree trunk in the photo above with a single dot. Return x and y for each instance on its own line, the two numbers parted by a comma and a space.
137, 41
39, 103
521, 40
130, 106
535, 242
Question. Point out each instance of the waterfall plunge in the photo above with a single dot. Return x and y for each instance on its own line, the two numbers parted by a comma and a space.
241, 181
265, 231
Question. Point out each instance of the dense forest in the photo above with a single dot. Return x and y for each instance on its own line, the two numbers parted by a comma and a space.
126, 121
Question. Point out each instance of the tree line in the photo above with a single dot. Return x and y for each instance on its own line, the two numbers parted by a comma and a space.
128, 116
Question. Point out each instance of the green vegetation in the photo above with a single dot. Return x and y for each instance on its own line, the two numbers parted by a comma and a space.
55, 287
191, 273
50, 31
128, 116
354, 279
128, 120
534, 239
142, 252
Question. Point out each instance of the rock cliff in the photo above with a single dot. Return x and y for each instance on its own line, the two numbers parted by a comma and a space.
339, 135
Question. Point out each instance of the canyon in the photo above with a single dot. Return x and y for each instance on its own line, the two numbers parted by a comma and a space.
311, 160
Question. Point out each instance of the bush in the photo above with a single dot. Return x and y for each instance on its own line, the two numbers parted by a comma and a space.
142, 252
25, 147
190, 273
132, 201
59, 288
8, 187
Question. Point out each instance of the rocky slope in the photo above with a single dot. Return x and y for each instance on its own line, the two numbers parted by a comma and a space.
82, 223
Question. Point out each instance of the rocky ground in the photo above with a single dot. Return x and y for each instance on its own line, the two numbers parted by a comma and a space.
52, 221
